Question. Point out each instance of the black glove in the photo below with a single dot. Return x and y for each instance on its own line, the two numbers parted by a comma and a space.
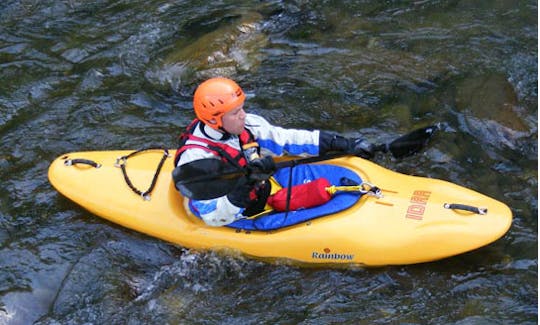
261, 169
362, 148
240, 195
333, 142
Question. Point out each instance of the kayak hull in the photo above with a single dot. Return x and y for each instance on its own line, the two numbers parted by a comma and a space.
408, 225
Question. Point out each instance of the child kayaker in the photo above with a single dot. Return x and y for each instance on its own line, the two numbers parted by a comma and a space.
224, 136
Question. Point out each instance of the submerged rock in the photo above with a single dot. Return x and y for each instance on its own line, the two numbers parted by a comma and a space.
491, 111
224, 51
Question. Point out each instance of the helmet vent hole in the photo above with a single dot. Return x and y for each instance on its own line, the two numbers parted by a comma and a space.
221, 102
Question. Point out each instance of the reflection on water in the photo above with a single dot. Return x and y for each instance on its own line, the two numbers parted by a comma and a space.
97, 75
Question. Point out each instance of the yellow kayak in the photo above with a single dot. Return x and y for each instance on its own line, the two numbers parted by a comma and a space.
415, 220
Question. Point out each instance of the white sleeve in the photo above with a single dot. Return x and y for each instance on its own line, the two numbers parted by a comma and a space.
280, 141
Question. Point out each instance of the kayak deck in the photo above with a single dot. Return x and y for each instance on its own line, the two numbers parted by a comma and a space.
409, 224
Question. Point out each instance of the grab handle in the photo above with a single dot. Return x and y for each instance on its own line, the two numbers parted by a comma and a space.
464, 207
71, 162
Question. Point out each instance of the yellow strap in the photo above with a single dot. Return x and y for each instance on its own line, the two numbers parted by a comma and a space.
334, 189
364, 188
266, 211
275, 185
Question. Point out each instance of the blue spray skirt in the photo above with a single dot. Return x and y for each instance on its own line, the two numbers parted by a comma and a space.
302, 174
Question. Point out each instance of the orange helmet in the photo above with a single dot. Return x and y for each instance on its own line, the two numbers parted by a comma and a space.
215, 97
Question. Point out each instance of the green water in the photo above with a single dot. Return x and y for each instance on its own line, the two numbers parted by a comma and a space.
102, 75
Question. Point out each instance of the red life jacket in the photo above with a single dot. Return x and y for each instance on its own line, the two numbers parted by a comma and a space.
227, 153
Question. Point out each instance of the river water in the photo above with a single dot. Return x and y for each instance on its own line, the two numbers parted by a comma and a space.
102, 75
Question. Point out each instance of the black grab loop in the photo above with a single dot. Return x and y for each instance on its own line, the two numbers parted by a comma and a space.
121, 162
71, 162
464, 207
